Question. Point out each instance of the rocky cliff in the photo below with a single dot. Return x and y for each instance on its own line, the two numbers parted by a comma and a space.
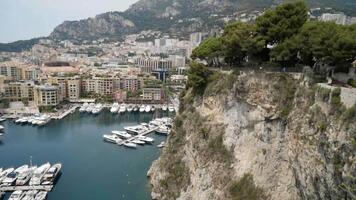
259, 136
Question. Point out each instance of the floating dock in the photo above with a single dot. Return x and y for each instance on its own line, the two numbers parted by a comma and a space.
47, 188
64, 114
136, 136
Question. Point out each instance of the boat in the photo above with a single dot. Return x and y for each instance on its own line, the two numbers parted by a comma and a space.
4, 173
25, 176
2, 128
50, 176
17, 195
112, 138
2, 119
171, 108
148, 109
38, 174
83, 107
115, 108
138, 142
136, 108
90, 108
142, 108
153, 108
163, 130
122, 134
97, 109
11, 177
136, 130
130, 145
164, 107
41, 195
148, 140
161, 145
122, 108
129, 108
30, 195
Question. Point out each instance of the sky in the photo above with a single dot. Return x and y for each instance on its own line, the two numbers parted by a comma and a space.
26, 19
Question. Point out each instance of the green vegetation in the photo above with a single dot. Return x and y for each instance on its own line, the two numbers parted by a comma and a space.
352, 82
18, 46
245, 189
295, 41
286, 88
198, 77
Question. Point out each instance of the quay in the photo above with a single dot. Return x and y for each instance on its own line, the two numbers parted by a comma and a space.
136, 136
64, 114
47, 188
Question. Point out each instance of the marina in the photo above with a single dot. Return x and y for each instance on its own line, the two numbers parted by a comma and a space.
90, 164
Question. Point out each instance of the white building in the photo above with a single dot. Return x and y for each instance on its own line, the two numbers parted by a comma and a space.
337, 18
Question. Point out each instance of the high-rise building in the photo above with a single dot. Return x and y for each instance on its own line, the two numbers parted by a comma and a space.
46, 95
73, 89
19, 91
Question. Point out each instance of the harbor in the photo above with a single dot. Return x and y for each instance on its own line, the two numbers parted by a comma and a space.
90, 164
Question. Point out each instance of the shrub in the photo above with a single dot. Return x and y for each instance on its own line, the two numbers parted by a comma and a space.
324, 94
245, 189
198, 76
352, 82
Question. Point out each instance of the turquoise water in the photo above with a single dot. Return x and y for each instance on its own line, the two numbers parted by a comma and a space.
92, 169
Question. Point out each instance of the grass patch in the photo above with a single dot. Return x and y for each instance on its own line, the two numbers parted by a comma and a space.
245, 189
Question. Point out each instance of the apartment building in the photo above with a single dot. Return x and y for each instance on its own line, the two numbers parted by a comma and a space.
73, 89
19, 91
100, 85
131, 83
19, 71
147, 65
153, 94
46, 95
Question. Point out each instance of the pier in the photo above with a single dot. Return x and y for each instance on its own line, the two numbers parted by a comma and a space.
64, 114
47, 188
136, 136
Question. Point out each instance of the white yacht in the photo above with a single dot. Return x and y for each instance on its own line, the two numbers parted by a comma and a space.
130, 145
30, 195
164, 107
25, 176
1, 128
97, 109
38, 174
2, 119
112, 138
84, 107
171, 108
130, 108
50, 176
115, 108
138, 142
153, 108
161, 145
4, 173
41, 195
90, 108
163, 130
136, 108
17, 195
122, 134
122, 108
148, 109
135, 129
11, 177
142, 108
147, 140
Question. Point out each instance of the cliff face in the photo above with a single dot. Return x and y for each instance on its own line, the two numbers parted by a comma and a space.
295, 140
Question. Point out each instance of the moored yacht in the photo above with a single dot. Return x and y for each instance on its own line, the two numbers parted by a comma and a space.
4, 173
148, 109
83, 107
148, 140
135, 129
30, 195
1, 128
130, 145
122, 134
112, 138
50, 176
161, 145
17, 195
164, 107
25, 176
163, 130
153, 108
41, 195
142, 108
122, 108
138, 142
115, 108
2, 119
97, 109
90, 108
38, 174
136, 108
130, 108
171, 108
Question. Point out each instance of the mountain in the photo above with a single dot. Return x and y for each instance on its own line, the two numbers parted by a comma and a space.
18, 46
172, 16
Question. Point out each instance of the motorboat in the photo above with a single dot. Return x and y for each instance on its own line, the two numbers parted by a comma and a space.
97, 109
171, 108
147, 140
41, 195
2, 119
2, 128
122, 108
148, 109
50, 176
142, 108
135, 129
153, 108
164, 107
163, 130
30, 195
130, 108
17, 195
90, 108
161, 145
84, 107
122, 134
115, 108
136, 108
112, 138
4, 173
38, 174
11, 177
130, 145
25, 176
138, 142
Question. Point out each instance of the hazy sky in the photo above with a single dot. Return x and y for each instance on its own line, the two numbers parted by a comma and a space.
25, 19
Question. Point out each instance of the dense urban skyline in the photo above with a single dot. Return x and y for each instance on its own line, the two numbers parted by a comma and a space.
24, 19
